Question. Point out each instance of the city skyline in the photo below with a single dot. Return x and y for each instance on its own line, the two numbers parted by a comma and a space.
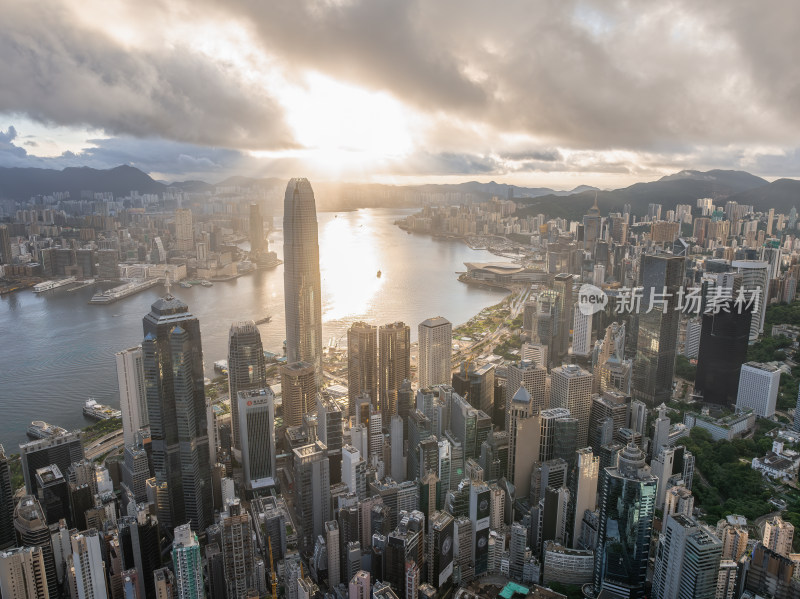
353, 299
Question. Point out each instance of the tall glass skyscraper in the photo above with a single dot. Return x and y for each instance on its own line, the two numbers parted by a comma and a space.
176, 407
246, 367
654, 367
627, 505
301, 280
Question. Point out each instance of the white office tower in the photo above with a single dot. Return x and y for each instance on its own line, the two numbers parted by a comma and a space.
187, 564
398, 466
587, 470
582, 334
599, 275
360, 587
778, 536
435, 352
662, 466
660, 430
333, 544
22, 574
535, 353
571, 388
691, 345
350, 460
687, 560
132, 396
375, 432
758, 389
90, 569
257, 437
755, 278
523, 441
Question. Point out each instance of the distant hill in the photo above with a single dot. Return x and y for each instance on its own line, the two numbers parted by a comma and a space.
685, 187
22, 183
782, 194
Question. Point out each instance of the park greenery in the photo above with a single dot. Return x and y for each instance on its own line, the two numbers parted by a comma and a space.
726, 483
684, 368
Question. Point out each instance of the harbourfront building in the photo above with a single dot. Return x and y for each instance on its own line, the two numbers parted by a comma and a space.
176, 407
301, 278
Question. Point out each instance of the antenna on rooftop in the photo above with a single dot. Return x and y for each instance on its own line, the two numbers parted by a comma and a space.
168, 285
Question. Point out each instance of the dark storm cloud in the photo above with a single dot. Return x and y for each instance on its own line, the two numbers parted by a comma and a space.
57, 70
585, 74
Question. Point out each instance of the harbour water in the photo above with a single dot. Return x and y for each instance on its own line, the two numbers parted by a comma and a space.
56, 350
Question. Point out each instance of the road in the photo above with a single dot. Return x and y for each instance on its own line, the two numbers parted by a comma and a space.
104, 444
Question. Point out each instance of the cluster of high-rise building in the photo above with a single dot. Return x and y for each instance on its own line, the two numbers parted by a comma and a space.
424, 475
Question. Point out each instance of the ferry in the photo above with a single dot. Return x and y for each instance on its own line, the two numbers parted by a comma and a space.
221, 366
206, 283
185, 285
39, 429
48, 285
96, 411
264, 320
123, 291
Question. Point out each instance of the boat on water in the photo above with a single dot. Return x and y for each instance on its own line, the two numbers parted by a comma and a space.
221, 366
48, 285
206, 283
264, 320
97, 411
185, 285
39, 429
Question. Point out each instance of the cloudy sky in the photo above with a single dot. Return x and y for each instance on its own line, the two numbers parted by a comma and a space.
553, 92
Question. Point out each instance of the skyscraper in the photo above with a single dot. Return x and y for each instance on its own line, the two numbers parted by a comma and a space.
257, 435
584, 490
562, 284
571, 388
301, 279
591, 227
132, 394
90, 569
256, 229
188, 564
5, 245
627, 506
394, 364
723, 349
238, 551
7, 536
778, 535
299, 390
312, 492
612, 370
755, 280
246, 367
687, 560
435, 352
654, 367
184, 237
176, 407
32, 531
22, 574
362, 364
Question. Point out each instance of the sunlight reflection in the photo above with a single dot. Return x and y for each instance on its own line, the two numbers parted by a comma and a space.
349, 275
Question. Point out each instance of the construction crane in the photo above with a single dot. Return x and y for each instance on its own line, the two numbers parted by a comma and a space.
273, 578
